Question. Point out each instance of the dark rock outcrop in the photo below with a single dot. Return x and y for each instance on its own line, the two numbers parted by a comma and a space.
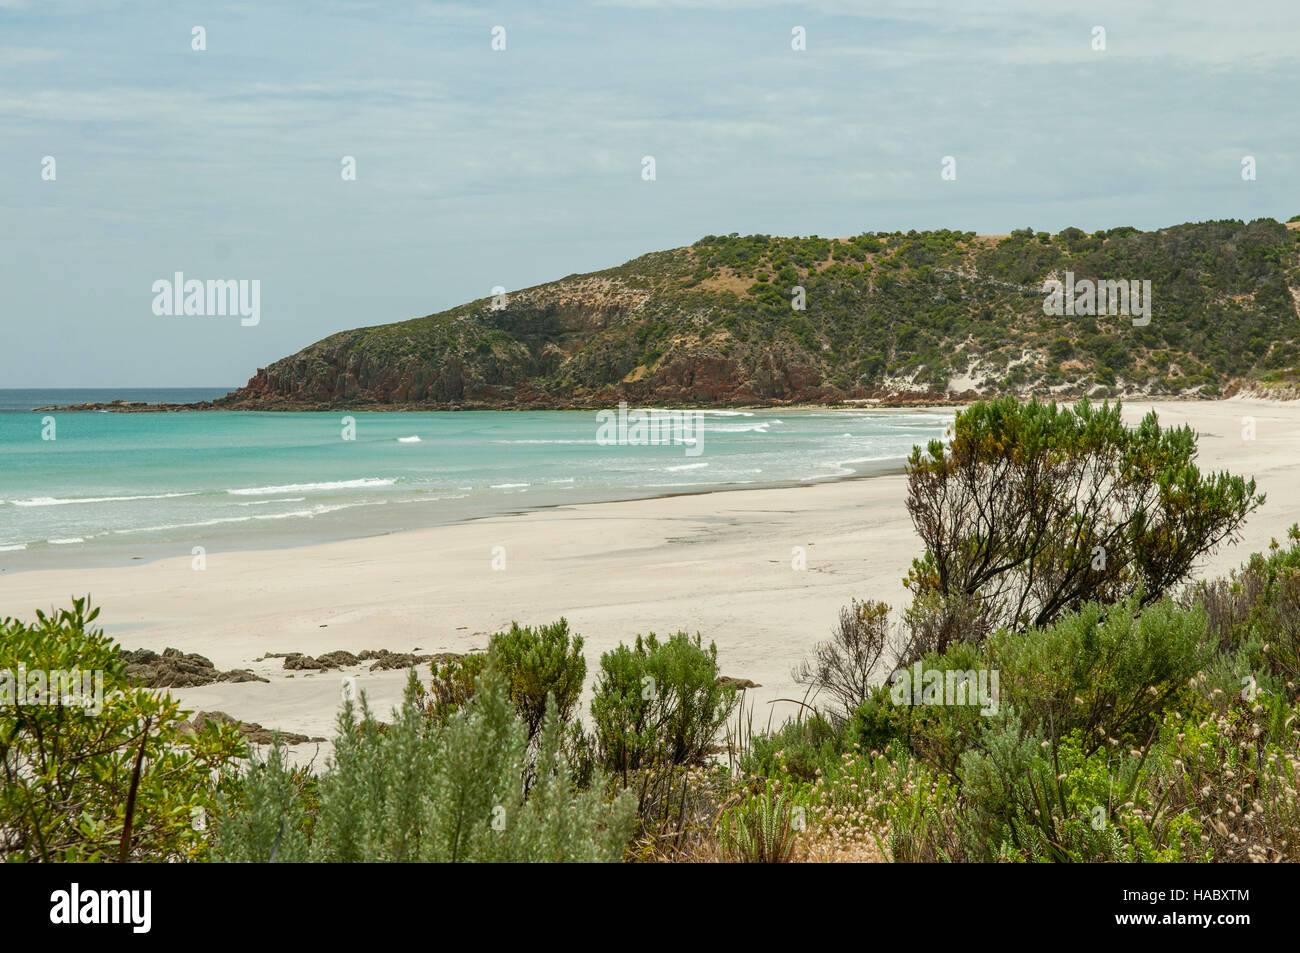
174, 669
251, 730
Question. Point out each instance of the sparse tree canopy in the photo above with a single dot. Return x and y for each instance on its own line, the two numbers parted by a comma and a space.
1035, 509
844, 666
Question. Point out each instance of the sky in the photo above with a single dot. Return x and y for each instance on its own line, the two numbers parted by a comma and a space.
478, 168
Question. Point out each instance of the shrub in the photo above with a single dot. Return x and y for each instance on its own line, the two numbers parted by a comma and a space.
1033, 510
1254, 614
798, 749
452, 686
126, 784
1107, 672
1245, 790
536, 663
454, 792
937, 620
272, 823
1032, 800
659, 702
878, 722
843, 666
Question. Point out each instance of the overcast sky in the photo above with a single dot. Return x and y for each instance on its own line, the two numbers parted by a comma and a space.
478, 168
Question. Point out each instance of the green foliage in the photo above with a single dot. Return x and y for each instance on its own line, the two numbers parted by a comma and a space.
1032, 800
452, 685
877, 723
1033, 510
763, 828
886, 304
1107, 673
798, 749
659, 702
271, 825
449, 792
536, 663
127, 783
1254, 616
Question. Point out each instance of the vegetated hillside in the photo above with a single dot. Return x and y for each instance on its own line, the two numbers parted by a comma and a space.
892, 316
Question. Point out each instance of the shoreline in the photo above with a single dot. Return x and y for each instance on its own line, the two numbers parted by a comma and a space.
400, 516
904, 400
720, 563
115, 555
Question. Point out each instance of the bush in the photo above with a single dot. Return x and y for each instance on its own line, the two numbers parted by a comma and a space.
798, 749
1033, 510
452, 686
271, 825
877, 723
938, 620
125, 784
1106, 672
534, 663
659, 702
412, 792
1032, 800
843, 666
1254, 614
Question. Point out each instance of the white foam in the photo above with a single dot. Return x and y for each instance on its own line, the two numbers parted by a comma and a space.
415, 439
508, 486
309, 487
65, 501
65, 542
686, 466
318, 510
12, 549
592, 440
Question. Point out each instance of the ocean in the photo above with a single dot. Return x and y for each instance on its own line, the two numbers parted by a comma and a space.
109, 487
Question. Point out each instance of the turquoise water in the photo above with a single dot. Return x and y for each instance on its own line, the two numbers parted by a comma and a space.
161, 483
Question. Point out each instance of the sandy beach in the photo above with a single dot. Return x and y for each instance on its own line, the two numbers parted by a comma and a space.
719, 563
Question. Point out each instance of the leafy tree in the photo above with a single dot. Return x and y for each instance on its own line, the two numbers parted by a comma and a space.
1033, 510
126, 783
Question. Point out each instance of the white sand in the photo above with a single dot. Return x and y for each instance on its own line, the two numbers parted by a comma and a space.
718, 563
